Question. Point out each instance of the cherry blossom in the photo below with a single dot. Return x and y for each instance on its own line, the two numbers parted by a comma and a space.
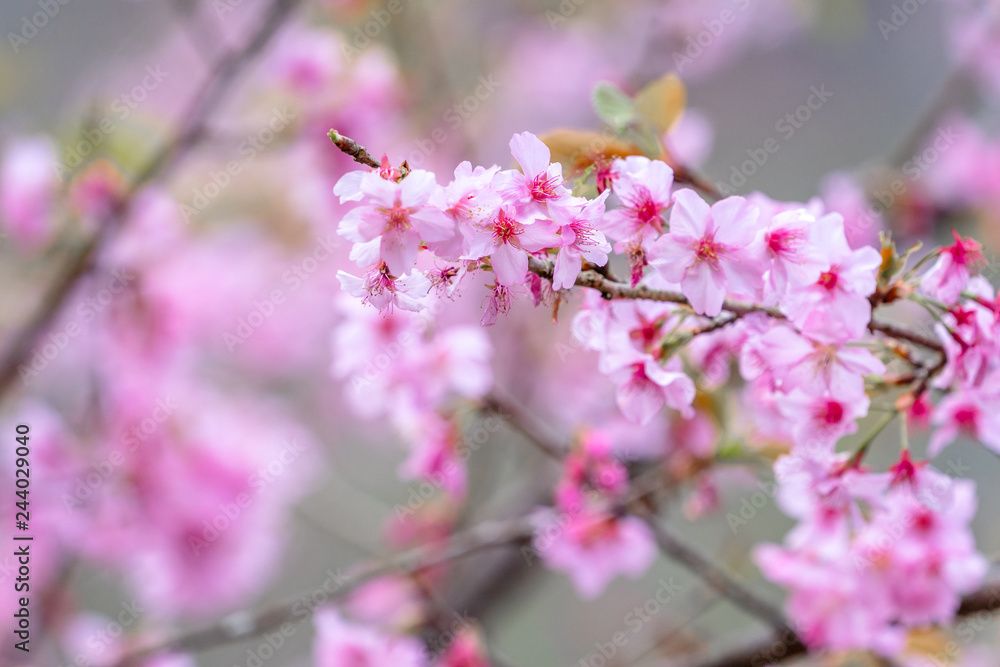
710, 251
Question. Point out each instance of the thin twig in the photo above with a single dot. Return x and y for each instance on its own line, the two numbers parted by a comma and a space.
713, 575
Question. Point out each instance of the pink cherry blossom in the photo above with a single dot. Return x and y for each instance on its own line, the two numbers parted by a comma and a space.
710, 251
811, 364
644, 386
643, 186
507, 238
820, 420
593, 547
581, 239
538, 183
969, 412
340, 643
834, 302
471, 201
384, 291
436, 455
791, 258
28, 183
952, 270
399, 216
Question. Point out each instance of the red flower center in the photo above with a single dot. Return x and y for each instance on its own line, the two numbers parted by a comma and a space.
831, 412
544, 188
829, 280
965, 417
505, 228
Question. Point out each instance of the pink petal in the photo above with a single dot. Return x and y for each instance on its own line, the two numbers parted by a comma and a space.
705, 288
529, 151
509, 264
689, 215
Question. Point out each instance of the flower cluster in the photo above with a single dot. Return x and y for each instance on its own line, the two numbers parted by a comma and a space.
585, 535
780, 290
874, 554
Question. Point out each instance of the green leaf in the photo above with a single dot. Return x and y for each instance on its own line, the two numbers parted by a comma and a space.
613, 106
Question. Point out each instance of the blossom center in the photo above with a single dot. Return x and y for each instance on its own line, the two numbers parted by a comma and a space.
505, 229
966, 418
398, 218
831, 412
543, 187
708, 250
648, 212
784, 241
828, 280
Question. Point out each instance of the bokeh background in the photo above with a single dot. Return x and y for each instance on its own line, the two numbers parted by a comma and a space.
509, 66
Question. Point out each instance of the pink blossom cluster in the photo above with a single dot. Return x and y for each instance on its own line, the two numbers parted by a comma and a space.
585, 535
397, 366
873, 554
776, 289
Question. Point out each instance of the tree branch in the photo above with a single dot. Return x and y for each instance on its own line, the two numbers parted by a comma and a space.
245, 625
714, 576
197, 113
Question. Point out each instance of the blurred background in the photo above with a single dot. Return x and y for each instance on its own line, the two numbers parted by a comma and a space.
434, 83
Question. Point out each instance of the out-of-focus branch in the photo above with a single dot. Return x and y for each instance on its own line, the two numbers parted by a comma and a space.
192, 129
245, 625
675, 548
524, 424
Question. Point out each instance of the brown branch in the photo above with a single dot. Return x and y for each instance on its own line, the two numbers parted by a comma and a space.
905, 334
80, 263
687, 177
613, 290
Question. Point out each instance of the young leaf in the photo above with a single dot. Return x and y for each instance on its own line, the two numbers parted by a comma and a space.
613, 106
660, 104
